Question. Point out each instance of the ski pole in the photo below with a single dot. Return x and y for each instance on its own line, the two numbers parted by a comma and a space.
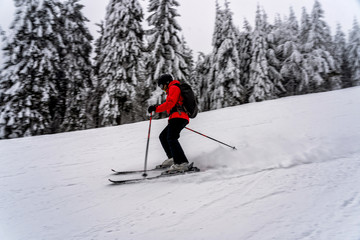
147, 148
211, 138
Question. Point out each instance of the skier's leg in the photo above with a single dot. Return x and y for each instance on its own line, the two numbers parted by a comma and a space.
164, 142
173, 134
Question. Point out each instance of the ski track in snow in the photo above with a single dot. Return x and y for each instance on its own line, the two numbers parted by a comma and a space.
295, 175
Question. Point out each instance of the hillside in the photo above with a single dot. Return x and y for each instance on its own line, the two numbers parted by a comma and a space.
295, 175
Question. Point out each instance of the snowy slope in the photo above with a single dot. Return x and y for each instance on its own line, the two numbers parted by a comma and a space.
295, 175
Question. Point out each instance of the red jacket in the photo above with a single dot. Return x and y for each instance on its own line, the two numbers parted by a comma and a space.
173, 97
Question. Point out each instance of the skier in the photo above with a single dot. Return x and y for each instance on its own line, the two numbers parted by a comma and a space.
178, 119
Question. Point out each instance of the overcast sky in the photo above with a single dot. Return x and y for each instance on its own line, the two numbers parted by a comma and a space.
197, 16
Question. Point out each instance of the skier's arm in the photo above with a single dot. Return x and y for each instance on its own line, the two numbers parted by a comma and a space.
171, 100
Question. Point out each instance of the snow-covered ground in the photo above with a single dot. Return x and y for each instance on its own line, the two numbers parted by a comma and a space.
295, 175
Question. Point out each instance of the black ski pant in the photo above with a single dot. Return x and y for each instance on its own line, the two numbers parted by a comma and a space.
169, 140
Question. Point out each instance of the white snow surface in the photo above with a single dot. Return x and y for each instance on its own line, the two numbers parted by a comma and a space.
295, 175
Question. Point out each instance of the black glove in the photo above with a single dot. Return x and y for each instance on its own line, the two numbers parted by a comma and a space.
152, 108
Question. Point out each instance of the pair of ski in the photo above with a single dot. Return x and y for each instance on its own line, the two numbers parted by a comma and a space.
165, 173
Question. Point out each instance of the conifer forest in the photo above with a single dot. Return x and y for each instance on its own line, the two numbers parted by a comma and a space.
56, 78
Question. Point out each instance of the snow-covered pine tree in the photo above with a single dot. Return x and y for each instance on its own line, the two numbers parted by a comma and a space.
76, 65
121, 69
316, 47
304, 25
340, 57
165, 47
31, 71
272, 55
340, 62
206, 63
303, 85
225, 72
353, 54
217, 37
98, 59
188, 64
260, 85
201, 73
244, 46
97, 91
289, 47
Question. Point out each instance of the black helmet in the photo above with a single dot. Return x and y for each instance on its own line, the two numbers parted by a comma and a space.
164, 80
